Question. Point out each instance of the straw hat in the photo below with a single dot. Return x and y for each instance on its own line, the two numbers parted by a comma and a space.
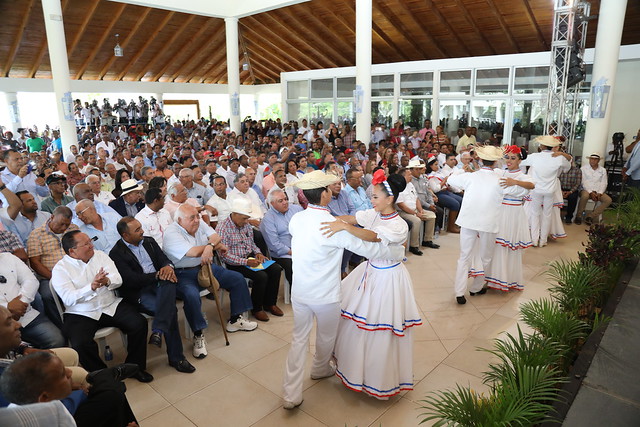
241, 206
489, 152
548, 141
416, 163
595, 155
315, 179
130, 185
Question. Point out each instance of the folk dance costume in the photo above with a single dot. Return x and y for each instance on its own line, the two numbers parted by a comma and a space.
374, 347
556, 229
513, 235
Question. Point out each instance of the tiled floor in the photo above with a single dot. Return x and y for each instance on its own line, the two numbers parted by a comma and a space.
240, 385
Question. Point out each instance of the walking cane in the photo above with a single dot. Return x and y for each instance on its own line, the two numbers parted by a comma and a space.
207, 280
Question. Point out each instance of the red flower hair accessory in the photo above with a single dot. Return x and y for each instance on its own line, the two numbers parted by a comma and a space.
378, 177
512, 149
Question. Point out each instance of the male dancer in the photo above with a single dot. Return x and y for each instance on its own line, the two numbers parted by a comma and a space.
316, 282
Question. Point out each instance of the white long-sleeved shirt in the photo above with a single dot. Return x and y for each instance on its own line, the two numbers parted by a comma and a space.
316, 258
154, 224
71, 278
594, 179
482, 199
20, 281
545, 170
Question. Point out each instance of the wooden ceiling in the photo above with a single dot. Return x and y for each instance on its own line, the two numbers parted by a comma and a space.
166, 46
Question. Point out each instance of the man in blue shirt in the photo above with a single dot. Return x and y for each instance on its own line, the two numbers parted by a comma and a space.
100, 227
341, 205
355, 191
631, 171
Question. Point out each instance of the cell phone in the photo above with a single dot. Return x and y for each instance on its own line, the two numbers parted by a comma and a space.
31, 166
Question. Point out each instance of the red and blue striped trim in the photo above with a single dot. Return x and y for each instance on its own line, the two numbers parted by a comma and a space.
371, 327
372, 390
513, 246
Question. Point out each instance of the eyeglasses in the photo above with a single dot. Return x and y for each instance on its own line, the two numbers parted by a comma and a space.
83, 210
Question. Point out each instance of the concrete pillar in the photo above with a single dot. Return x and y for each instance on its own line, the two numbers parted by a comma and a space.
233, 72
60, 72
14, 112
363, 71
605, 65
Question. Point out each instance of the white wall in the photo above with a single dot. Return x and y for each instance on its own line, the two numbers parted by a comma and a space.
625, 112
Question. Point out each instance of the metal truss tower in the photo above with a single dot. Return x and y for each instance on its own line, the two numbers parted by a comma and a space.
567, 65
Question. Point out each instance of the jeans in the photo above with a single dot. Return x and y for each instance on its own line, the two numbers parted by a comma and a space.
42, 334
449, 200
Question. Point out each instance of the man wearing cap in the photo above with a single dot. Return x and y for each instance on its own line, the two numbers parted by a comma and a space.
316, 282
129, 203
594, 185
478, 219
57, 184
546, 167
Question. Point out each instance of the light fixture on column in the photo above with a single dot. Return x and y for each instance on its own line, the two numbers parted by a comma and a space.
245, 63
117, 50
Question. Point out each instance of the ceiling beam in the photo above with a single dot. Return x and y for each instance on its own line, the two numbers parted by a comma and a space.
217, 56
275, 36
504, 25
182, 52
269, 49
219, 64
471, 20
388, 15
187, 67
183, 26
13, 50
150, 39
85, 23
532, 20
98, 45
327, 34
459, 41
43, 47
141, 19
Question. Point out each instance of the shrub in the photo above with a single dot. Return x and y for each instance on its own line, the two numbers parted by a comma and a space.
578, 287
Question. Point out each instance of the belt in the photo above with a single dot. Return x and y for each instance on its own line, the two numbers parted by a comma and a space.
187, 268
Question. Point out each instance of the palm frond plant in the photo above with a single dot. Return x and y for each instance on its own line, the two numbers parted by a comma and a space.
628, 212
578, 287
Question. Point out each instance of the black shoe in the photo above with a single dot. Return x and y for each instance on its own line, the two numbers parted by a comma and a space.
480, 292
567, 220
143, 377
578, 220
118, 373
431, 245
415, 251
183, 366
156, 339
588, 220
461, 300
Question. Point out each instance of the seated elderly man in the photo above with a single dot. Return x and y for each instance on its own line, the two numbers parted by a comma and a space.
594, 187
57, 184
81, 192
85, 280
194, 191
177, 196
219, 201
29, 218
242, 190
281, 183
104, 197
19, 289
355, 191
250, 173
275, 229
149, 284
129, 203
154, 218
189, 243
243, 255
101, 227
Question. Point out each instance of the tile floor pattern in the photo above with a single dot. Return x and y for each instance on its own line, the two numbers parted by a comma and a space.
240, 385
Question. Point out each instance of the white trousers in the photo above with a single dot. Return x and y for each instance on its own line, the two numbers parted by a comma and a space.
327, 319
540, 220
473, 242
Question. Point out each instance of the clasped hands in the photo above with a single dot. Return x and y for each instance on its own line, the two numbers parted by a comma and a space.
100, 280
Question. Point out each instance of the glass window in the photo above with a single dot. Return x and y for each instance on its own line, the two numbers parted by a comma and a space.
382, 112
416, 84
454, 114
382, 85
299, 112
528, 121
322, 88
488, 117
531, 80
346, 112
489, 82
586, 84
321, 112
346, 86
298, 90
455, 82
413, 112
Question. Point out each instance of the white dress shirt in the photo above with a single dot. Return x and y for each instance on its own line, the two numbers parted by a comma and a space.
594, 179
545, 170
104, 197
71, 278
257, 207
154, 224
177, 242
481, 201
408, 196
223, 206
20, 281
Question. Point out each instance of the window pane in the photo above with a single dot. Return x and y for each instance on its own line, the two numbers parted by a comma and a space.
455, 82
321, 112
322, 88
382, 85
381, 112
416, 84
528, 121
299, 112
413, 112
488, 117
346, 86
454, 114
531, 80
490, 82
346, 112
298, 90
586, 84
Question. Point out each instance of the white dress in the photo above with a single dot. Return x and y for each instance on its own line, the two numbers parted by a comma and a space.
374, 346
556, 231
514, 236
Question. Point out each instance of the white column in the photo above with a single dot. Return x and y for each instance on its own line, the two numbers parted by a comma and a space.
605, 65
363, 70
14, 112
233, 72
60, 72
159, 98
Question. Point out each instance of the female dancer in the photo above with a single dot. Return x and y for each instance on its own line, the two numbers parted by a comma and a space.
374, 347
514, 234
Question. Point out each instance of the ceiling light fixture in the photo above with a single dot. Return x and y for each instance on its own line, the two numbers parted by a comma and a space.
117, 50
